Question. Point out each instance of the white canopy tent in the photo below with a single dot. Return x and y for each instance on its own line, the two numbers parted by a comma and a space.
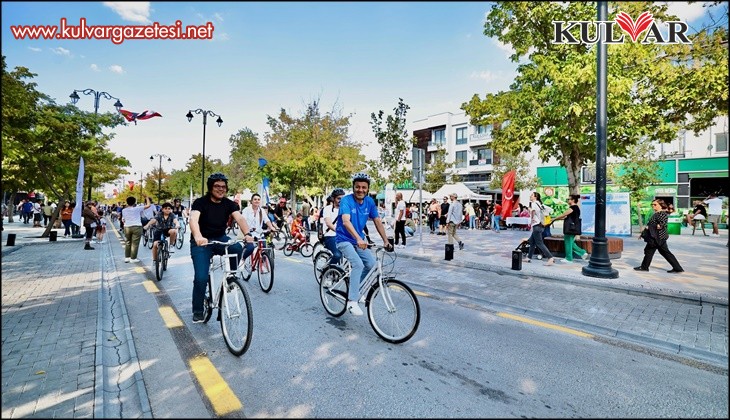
462, 192
412, 196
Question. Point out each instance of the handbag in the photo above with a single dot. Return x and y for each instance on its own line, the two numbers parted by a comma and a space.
572, 226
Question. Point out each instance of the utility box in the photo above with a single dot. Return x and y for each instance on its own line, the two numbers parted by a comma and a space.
517, 260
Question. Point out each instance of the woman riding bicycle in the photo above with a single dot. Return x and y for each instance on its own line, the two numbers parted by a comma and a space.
165, 223
208, 220
256, 217
355, 210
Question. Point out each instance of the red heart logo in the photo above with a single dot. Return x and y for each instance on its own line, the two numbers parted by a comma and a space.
634, 28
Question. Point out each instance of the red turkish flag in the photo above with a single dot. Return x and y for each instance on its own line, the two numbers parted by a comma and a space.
508, 193
131, 185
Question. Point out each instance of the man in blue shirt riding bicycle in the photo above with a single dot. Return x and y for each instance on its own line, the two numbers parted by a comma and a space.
208, 222
355, 210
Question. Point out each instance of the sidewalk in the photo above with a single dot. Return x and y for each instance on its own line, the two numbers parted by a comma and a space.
67, 348
704, 259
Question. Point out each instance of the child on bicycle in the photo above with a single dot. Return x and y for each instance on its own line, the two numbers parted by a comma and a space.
166, 223
297, 230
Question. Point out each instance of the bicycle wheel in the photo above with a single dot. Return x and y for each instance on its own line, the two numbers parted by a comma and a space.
208, 301
393, 313
321, 260
306, 250
244, 267
165, 256
318, 246
236, 317
158, 268
179, 241
266, 272
288, 249
333, 289
278, 240
145, 238
150, 238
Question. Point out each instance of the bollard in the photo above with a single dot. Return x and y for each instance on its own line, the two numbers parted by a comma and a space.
11, 240
517, 260
449, 252
53, 236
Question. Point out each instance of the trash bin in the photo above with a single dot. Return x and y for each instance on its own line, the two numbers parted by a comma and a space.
53, 236
516, 260
11, 240
674, 226
449, 252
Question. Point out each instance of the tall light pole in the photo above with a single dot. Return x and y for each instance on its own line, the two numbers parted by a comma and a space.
205, 120
159, 174
97, 96
141, 175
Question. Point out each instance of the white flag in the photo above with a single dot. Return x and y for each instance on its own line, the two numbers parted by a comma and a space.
76, 215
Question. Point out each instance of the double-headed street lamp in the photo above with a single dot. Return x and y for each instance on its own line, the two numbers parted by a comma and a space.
97, 96
205, 120
159, 174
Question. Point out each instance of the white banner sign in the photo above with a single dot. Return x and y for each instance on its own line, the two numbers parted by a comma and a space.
76, 215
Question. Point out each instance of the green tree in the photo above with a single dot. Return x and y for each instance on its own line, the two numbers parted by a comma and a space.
181, 181
243, 167
395, 143
654, 90
310, 154
635, 172
436, 171
523, 179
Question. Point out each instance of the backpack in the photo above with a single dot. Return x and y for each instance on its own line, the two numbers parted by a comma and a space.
545, 211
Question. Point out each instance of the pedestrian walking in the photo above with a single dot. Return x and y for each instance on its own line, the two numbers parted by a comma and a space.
536, 221
453, 220
655, 235
66, 212
400, 220
132, 218
91, 219
442, 218
714, 210
572, 214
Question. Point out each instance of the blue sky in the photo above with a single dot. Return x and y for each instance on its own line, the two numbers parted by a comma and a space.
359, 57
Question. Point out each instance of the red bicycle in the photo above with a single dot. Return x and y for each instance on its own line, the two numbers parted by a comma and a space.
262, 262
296, 244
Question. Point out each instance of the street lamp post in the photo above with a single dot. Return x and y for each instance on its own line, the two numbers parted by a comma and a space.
141, 196
205, 120
159, 174
97, 97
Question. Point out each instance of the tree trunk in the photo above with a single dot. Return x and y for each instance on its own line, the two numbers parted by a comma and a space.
11, 207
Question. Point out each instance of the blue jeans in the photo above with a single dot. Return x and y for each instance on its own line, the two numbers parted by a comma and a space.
330, 242
248, 250
472, 222
201, 256
361, 260
495, 221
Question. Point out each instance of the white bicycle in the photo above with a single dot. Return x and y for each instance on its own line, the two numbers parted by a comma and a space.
226, 293
392, 307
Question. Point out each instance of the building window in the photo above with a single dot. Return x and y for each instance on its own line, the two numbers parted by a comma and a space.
461, 135
461, 159
721, 142
439, 137
484, 156
485, 129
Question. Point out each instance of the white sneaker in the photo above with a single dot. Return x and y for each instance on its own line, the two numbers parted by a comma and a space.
354, 308
126, 260
585, 256
135, 260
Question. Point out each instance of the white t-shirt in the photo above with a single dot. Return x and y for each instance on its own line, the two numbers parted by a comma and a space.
535, 213
398, 207
132, 215
714, 205
329, 212
255, 220
150, 212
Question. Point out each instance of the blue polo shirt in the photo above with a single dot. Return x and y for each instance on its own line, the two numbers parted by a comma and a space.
359, 215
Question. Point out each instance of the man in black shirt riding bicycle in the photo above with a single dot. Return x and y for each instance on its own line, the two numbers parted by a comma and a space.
208, 222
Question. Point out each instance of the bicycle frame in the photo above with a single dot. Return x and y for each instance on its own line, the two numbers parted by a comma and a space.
222, 262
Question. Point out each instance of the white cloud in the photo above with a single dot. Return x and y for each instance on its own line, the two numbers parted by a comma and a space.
115, 68
95, 67
133, 11
34, 49
685, 11
222, 36
61, 51
503, 47
485, 75
218, 17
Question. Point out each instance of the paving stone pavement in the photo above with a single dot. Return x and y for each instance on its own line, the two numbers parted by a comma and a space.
67, 349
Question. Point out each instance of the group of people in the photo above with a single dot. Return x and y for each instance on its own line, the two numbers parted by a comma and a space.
474, 216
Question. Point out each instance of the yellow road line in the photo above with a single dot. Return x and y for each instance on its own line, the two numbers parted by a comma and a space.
220, 395
545, 325
150, 286
139, 270
421, 293
170, 317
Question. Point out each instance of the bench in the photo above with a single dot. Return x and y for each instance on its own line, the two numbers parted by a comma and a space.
556, 245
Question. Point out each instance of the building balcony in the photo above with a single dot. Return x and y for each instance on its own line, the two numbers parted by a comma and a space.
479, 139
434, 145
480, 162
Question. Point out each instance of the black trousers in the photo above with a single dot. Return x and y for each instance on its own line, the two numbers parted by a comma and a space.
652, 247
400, 230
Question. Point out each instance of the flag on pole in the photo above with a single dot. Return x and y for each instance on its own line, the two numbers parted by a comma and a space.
508, 193
76, 215
134, 116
